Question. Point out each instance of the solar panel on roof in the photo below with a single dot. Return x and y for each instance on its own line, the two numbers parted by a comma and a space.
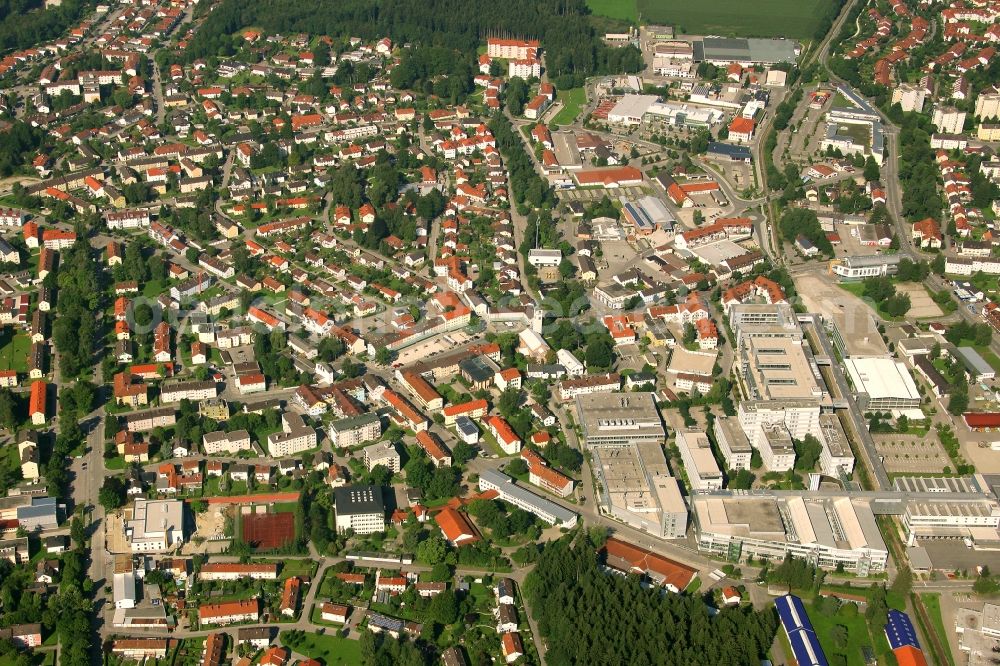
899, 630
805, 645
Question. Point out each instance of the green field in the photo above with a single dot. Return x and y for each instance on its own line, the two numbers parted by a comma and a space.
572, 100
624, 10
932, 602
331, 650
735, 18
14, 348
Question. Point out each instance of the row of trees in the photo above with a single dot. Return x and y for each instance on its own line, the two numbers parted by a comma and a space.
80, 291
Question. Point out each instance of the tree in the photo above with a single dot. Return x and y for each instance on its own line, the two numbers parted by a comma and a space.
599, 354
517, 467
443, 607
432, 549
8, 410
77, 533
380, 476
112, 493
383, 356
958, 402
871, 169
509, 401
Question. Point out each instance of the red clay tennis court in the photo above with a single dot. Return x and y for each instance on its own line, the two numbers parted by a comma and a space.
269, 531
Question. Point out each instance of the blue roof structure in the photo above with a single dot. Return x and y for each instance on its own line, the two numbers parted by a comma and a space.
899, 630
798, 628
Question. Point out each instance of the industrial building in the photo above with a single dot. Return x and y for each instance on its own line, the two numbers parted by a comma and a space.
825, 531
733, 442
722, 51
882, 384
703, 472
636, 488
618, 419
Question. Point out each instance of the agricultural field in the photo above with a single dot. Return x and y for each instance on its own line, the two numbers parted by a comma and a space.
624, 10
734, 18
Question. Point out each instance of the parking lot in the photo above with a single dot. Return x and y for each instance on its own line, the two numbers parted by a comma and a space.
911, 454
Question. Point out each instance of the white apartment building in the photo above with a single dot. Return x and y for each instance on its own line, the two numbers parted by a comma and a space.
798, 417
226, 442
355, 430
836, 454
236, 571
776, 449
191, 390
382, 453
295, 437
988, 105
948, 119
910, 97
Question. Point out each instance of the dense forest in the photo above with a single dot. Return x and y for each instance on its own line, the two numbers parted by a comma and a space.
590, 617
25, 23
573, 50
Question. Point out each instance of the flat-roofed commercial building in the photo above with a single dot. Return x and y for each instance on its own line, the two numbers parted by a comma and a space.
733, 442
826, 531
155, 526
763, 320
630, 109
619, 419
699, 462
945, 519
836, 455
866, 266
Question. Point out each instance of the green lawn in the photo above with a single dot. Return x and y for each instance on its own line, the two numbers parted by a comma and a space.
735, 18
14, 348
331, 650
572, 99
857, 634
624, 10
932, 602
153, 288
297, 567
